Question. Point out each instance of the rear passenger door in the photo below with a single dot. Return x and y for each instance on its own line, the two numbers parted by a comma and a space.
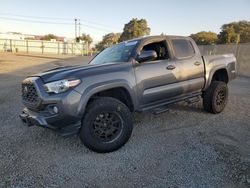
190, 64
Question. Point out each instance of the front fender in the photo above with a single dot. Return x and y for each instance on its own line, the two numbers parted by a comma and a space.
102, 86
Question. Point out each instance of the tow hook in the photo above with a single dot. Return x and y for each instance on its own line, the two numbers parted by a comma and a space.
25, 119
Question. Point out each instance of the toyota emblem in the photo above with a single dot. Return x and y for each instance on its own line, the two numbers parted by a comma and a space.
25, 89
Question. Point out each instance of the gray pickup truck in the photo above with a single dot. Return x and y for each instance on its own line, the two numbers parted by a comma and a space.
149, 73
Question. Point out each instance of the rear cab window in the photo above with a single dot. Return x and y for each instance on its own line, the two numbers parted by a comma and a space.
183, 48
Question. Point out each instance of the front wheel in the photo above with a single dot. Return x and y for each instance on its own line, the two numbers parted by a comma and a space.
107, 125
215, 97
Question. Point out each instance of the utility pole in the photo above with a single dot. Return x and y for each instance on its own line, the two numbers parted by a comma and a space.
237, 47
75, 29
79, 27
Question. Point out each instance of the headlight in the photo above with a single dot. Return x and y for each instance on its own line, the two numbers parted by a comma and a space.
60, 85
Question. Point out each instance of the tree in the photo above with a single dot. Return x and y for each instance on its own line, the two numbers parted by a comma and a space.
228, 35
108, 40
49, 37
235, 32
86, 38
245, 36
205, 38
134, 29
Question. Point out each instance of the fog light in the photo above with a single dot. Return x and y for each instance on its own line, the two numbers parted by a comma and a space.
55, 109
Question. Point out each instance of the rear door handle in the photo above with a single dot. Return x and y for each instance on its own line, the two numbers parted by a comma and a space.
197, 63
170, 67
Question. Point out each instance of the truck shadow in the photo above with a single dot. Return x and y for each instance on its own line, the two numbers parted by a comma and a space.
196, 107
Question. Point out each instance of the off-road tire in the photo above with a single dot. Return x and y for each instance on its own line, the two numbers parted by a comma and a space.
215, 97
107, 113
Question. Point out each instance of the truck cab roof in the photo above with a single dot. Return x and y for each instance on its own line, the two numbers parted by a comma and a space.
158, 37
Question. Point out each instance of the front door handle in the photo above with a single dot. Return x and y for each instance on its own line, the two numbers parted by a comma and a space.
170, 67
197, 63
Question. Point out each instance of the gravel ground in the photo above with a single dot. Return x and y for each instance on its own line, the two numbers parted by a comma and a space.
184, 147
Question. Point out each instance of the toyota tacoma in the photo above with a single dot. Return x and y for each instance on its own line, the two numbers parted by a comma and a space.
144, 74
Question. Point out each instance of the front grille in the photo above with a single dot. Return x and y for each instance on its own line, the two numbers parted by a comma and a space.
29, 93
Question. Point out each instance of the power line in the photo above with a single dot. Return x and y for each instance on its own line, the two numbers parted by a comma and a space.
100, 24
50, 22
56, 18
35, 21
38, 17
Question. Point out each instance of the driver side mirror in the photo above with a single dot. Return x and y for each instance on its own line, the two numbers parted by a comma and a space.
147, 56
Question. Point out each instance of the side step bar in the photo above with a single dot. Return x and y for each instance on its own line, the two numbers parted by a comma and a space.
186, 98
192, 100
165, 107
160, 110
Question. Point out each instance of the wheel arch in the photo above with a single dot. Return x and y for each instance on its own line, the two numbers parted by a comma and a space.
220, 74
121, 91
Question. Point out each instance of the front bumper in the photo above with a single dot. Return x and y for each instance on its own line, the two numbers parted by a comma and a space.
41, 114
30, 118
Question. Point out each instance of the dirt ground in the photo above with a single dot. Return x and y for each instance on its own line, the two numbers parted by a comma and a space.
184, 147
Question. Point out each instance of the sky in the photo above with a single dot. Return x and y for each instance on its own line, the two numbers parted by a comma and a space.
97, 18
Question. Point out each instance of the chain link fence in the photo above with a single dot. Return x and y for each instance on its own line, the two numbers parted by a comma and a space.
43, 47
241, 52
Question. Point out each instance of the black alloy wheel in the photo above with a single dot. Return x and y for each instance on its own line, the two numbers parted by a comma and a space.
107, 126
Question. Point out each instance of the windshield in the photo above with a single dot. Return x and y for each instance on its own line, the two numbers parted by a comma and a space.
117, 53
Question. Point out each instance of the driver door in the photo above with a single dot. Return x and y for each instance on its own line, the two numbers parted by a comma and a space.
156, 78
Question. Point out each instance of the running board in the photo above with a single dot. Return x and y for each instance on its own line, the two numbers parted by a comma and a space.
160, 110
174, 100
192, 100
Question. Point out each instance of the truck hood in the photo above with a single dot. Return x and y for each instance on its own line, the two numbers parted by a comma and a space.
68, 72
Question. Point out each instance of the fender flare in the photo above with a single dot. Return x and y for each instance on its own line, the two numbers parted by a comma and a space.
211, 74
96, 88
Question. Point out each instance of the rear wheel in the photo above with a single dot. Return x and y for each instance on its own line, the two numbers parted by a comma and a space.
107, 125
215, 97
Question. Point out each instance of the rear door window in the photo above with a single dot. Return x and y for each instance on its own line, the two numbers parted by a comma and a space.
182, 48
